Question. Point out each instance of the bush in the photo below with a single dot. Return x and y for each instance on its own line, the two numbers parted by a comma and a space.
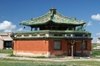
95, 52
39, 57
12, 55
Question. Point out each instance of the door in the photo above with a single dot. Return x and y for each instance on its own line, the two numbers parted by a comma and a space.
69, 49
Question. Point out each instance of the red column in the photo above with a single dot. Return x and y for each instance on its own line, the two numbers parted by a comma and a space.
82, 51
72, 50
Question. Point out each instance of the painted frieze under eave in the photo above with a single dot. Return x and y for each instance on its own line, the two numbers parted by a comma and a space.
54, 17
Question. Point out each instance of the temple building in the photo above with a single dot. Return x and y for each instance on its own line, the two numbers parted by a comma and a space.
6, 41
57, 35
98, 41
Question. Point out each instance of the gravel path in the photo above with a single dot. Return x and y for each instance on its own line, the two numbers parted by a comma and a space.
3, 55
48, 59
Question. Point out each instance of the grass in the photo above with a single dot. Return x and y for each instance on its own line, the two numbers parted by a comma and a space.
13, 62
6, 51
38, 57
94, 45
95, 52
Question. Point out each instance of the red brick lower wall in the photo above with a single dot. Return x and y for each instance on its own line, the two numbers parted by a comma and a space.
88, 46
42, 47
77, 46
55, 52
31, 46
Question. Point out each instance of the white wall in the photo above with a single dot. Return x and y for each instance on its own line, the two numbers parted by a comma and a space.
1, 44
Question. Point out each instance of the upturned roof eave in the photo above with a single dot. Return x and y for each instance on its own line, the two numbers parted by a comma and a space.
27, 24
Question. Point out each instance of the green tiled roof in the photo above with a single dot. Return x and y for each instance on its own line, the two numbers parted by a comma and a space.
53, 16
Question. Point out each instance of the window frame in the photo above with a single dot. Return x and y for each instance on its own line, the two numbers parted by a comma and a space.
60, 45
85, 44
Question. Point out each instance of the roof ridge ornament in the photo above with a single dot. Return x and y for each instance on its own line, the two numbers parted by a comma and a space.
52, 7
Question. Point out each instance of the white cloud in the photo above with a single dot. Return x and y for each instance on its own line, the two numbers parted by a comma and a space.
7, 30
97, 33
96, 17
20, 29
89, 24
7, 26
95, 39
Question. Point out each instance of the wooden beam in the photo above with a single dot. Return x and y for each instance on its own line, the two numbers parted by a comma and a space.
31, 28
51, 26
46, 27
57, 26
74, 28
35, 28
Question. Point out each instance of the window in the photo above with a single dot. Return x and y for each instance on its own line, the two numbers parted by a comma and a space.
7, 44
26, 35
57, 34
19, 35
42, 34
78, 35
57, 45
84, 46
68, 34
34, 35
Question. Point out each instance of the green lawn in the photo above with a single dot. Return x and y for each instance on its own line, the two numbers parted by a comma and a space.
95, 52
12, 62
94, 45
6, 51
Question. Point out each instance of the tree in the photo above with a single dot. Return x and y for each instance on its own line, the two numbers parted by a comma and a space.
31, 19
81, 28
75, 18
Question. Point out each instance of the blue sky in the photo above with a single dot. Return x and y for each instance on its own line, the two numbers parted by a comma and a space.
13, 12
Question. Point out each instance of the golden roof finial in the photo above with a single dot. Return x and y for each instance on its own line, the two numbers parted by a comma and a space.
52, 7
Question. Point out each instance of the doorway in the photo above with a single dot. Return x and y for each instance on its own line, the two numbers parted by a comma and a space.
8, 44
69, 49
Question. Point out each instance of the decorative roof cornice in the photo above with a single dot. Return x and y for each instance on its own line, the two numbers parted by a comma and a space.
52, 31
50, 37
